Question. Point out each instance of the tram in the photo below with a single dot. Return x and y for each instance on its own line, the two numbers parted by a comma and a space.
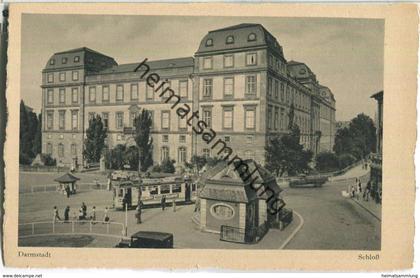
151, 191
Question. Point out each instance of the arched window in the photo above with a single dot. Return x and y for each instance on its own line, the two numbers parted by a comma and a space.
230, 39
252, 37
73, 149
209, 42
182, 155
49, 149
165, 153
60, 150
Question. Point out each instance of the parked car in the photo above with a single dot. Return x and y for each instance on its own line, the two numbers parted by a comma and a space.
148, 239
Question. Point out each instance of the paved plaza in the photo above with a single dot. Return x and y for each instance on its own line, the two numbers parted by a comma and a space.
324, 219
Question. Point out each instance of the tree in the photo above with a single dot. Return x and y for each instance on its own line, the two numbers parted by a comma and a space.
27, 134
327, 162
358, 139
95, 139
167, 166
199, 161
37, 143
143, 124
284, 154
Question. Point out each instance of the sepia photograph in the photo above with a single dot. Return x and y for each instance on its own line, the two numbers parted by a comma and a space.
201, 132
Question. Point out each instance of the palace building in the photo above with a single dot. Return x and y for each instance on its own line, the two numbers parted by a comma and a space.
238, 80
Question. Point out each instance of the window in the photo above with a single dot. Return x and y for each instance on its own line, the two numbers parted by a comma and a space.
74, 119
62, 95
276, 118
230, 39
73, 148
76, 59
228, 61
74, 95
62, 76
251, 59
209, 42
228, 86
60, 150
134, 92
282, 92
92, 94
52, 62
270, 117
206, 152
207, 117
49, 149
119, 120
276, 89
227, 117
64, 60
165, 138
164, 153
61, 119
165, 119
165, 189
282, 119
133, 116
227, 139
250, 118
50, 78
105, 119
270, 61
250, 139
120, 93
182, 155
251, 84
207, 63
182, 123
182, 139
105, 93
252, 37
75, 75
50, 96
176, 188
50, 119
183, 88
208, 88
248, 154
270, 87
149, 92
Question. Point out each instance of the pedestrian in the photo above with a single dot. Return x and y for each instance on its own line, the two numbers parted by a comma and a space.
106, 217
81, 214
368, 188
66, 214
93, 216
138, 212
352, 191
84, 209
56, 215
109, 183
67, 191
163, 202
174, 205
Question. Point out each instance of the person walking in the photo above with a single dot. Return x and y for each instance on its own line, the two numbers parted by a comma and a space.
66, 214
81, 214
84, 209
93, 216
67, 191
106, 217
174, 205
138, 212
56, 215
163, 202
368, 188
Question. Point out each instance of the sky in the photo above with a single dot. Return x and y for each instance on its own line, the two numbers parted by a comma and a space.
345, 54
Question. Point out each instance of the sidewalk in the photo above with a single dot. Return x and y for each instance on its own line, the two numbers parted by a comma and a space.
371, 206
352, 173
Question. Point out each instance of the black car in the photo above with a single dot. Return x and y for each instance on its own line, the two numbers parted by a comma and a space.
147, 239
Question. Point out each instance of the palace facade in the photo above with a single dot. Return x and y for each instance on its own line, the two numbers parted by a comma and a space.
238, 80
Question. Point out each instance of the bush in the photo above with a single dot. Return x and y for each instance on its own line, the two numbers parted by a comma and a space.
345, 160
327, 162
48, 160
24, 159
168, 166
156, 168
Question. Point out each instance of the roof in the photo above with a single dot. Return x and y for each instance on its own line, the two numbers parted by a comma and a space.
80, 49
66, 178
240, 33
154, 65
379, 95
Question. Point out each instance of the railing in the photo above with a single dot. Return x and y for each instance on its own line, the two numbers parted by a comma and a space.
56, 187
115, 229
240, 235
42, 168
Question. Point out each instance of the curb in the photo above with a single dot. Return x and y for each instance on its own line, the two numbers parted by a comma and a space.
368, 210
287, 241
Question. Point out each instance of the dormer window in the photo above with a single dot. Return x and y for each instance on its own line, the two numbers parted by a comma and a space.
76, 59
252, 37
52, 62
230, 40
209, 42
64, 60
